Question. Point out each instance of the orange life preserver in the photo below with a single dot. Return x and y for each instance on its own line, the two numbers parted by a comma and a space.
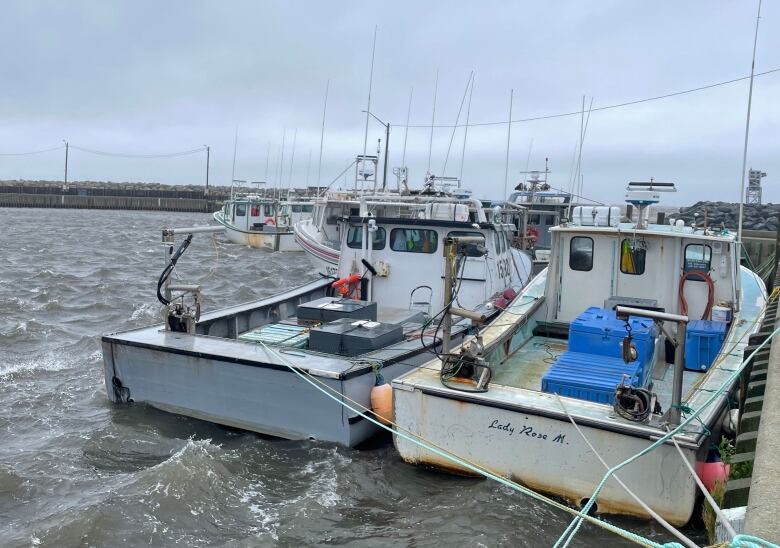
269, 221
345, 285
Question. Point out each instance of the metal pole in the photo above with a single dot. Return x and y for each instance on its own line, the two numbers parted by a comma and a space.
406, 132
370, 84
322, 137
208, 159
747, 133
679, 369
387, 150
433, 118
465, 134
66, 164
449, 254
508, 139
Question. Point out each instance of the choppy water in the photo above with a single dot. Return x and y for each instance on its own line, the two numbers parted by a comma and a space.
76, 470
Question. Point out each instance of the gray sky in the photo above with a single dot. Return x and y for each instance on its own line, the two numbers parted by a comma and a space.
156, 77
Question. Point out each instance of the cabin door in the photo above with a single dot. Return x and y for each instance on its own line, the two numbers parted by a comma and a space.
587, 274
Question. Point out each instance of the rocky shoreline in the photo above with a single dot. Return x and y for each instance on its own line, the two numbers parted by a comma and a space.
755, 217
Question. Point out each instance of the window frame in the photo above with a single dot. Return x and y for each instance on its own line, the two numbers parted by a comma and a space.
406, 239
359, 245
592, 251
240, 210
644, 259
472, 233
686, 268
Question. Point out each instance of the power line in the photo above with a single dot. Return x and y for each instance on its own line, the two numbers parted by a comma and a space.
128, 155
608, 107
32, 152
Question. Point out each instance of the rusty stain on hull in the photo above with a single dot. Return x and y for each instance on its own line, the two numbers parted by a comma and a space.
603, 505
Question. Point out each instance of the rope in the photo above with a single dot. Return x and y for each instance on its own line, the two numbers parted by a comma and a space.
416, 439
574, 526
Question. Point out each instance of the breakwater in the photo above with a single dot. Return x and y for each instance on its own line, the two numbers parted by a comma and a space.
131, 196
755, 216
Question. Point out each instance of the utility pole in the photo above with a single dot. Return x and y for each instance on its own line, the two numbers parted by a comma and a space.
208, 155
66, 166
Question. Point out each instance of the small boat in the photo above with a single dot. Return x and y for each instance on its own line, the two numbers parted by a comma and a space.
262, 222
239, 366
630, 327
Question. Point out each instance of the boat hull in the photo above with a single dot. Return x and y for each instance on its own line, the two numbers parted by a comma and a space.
546, 454
252, 397
270, 239
322, 256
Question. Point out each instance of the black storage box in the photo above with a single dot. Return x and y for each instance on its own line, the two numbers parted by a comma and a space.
329, 309
345, 338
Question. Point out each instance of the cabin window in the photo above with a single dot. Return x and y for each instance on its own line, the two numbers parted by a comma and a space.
632, 257
472, 250
240, 210
308, 208
255, 211
355, 238
581, 253
296, 209
414, 240
268, 210
534, 219
499, 243
697, 257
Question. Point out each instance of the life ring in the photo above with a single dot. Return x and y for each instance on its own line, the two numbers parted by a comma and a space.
532, 233
269, 221
346, 285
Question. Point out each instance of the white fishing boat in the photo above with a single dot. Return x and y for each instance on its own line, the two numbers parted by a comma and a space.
263, 223
629, 328
240, 366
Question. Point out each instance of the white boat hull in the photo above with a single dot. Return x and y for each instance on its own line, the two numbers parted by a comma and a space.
322, 256
270, 239
546, 454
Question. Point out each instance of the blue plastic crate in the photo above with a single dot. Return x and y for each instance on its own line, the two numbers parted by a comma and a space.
598, 331
703, 341
589, 377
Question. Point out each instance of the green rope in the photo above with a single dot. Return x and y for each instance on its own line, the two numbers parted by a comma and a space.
574, 526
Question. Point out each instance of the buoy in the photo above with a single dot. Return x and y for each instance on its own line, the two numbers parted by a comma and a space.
509, 294
711, 473
382, 400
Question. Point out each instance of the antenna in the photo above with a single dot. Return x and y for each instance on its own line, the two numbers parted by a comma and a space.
322, 137
406, 133
508, 139
292, 161
233, 172
433, 118
267, 159
455, 126
281, 165
465, 133
370, 84
747, 133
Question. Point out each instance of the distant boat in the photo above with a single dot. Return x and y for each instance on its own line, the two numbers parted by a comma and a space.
263, 223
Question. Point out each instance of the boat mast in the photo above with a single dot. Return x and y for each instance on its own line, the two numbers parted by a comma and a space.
368, 107
747, 133
292, 162
508, 139
406, 133
465, 133
233, 171
433, 119
455, 126
322, 137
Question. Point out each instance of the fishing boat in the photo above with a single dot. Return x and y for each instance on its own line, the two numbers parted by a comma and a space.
375, 319
630, 327
261, 222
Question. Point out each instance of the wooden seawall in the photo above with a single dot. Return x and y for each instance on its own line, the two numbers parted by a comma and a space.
108, 202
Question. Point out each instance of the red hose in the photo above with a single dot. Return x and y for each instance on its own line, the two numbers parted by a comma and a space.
710, 292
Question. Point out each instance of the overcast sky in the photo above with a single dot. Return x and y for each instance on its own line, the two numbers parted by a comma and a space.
158, 77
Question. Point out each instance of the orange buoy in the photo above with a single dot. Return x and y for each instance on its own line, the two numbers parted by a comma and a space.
382, 400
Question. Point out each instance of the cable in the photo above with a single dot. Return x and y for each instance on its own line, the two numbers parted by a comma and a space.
128, 155
618, 105
169, 268
32, 152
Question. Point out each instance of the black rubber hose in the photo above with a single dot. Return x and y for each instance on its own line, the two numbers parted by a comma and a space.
169, 268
